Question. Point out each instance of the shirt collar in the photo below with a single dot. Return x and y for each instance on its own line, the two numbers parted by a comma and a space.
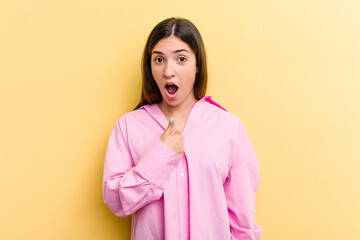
156, 113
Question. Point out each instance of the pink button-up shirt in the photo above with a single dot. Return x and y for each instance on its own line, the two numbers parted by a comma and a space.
209, 194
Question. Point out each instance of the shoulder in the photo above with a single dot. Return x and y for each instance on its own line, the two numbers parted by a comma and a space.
132, 117
135, 114
222, 114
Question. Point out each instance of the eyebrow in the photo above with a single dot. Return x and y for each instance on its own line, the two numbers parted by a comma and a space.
176, 51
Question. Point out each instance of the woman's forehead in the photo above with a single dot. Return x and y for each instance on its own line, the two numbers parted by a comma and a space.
171, 45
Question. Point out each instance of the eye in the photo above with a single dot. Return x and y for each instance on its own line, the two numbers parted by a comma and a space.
182, 59
159, 60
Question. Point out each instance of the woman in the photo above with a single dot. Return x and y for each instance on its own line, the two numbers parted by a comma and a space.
180, 163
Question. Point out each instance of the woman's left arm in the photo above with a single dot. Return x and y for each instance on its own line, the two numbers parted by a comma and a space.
240, 188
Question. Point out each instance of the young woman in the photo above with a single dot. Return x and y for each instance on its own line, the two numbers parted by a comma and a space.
180, 163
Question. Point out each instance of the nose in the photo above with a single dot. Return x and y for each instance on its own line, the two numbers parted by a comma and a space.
169, 70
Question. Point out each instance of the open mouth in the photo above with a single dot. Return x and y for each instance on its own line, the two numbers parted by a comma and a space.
171, 88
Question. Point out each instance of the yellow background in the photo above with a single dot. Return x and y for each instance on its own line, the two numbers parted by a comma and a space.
288, 69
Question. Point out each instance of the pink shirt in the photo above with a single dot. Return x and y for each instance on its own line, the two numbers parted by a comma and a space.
209, 194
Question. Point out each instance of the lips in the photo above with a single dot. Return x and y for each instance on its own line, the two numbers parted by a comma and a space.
171, 88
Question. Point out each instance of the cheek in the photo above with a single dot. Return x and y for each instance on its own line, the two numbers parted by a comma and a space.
155, 76
191, 75
153, 71
156, 73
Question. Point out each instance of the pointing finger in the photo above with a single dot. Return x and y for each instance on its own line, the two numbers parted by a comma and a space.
170, 127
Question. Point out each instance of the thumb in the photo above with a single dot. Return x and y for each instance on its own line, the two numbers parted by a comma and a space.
170, 127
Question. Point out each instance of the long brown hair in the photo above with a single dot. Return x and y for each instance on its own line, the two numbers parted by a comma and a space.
187, 32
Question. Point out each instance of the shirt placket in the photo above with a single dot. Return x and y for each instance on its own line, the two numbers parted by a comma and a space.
183, 197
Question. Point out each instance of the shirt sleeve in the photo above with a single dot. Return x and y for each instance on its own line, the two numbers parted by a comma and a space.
126, 187
240, 188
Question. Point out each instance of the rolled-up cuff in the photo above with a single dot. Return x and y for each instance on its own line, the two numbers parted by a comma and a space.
156, 164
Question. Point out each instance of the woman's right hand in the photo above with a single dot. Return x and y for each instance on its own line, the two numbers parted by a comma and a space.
173, 140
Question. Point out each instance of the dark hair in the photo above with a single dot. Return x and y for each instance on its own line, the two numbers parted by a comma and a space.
187, 32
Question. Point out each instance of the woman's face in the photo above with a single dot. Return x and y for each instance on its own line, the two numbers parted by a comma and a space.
173, 66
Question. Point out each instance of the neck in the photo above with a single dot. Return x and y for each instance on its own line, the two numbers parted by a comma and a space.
181, 110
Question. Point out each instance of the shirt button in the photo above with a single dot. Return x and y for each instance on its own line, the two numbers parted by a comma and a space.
182, 174
185, 236
183, 205
172, 166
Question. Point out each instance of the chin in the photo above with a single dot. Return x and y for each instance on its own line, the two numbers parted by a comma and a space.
172, 103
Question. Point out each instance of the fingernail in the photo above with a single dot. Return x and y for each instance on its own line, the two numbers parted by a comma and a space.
171, 120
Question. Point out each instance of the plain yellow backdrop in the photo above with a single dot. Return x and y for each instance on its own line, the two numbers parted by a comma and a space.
289, 69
